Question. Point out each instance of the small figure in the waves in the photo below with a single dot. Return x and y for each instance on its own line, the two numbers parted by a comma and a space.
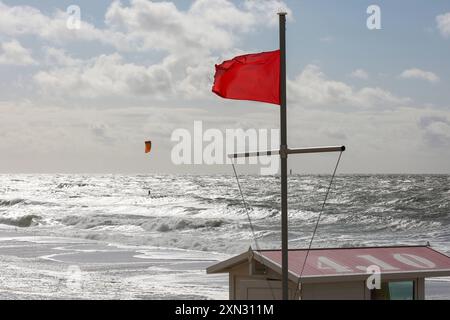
154, 196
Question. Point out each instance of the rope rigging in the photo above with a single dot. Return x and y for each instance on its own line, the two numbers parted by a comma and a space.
250, 223
247, 210
317, 223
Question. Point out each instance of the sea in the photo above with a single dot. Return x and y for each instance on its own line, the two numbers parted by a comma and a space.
86, 236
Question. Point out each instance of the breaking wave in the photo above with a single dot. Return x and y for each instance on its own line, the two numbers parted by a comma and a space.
12, 202
20, 201
146, 223
71, 185
22, 222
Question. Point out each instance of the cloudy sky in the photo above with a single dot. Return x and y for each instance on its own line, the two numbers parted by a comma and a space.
84, 100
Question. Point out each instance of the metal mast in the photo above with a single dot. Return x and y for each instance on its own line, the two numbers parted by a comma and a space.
283, 157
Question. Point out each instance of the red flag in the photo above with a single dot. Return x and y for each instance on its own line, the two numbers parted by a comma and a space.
250, 77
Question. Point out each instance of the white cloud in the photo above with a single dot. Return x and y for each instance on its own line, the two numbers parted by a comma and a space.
360, 74
223, 13
111, 76
436, 129
26, 20
19, 20
145, 25
264, 11
161, 26
59, 57
192, 40
106, 75
440, 129
207, 25
443, 24
416, 73
313, 88
12, 53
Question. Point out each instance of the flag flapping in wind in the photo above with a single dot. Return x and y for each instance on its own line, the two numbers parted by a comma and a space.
253, 77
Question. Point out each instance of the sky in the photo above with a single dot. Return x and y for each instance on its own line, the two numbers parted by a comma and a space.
85, 100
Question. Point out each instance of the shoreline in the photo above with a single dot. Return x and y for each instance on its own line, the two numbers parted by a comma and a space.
66, 268
42, 267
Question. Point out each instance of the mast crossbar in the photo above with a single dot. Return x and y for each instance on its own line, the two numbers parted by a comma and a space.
289, 151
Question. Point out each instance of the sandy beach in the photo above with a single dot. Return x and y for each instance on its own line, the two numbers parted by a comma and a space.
41, 267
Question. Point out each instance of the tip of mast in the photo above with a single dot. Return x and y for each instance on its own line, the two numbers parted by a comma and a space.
281, 12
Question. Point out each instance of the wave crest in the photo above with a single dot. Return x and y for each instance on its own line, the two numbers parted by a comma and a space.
22, 222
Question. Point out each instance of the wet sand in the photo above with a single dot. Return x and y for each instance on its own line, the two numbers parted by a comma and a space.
39, 267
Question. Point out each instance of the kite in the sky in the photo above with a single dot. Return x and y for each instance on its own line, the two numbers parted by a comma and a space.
148, 146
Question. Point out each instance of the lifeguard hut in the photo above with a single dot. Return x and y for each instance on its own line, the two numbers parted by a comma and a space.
336, 273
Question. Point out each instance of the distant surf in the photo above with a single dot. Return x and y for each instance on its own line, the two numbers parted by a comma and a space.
206, 212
